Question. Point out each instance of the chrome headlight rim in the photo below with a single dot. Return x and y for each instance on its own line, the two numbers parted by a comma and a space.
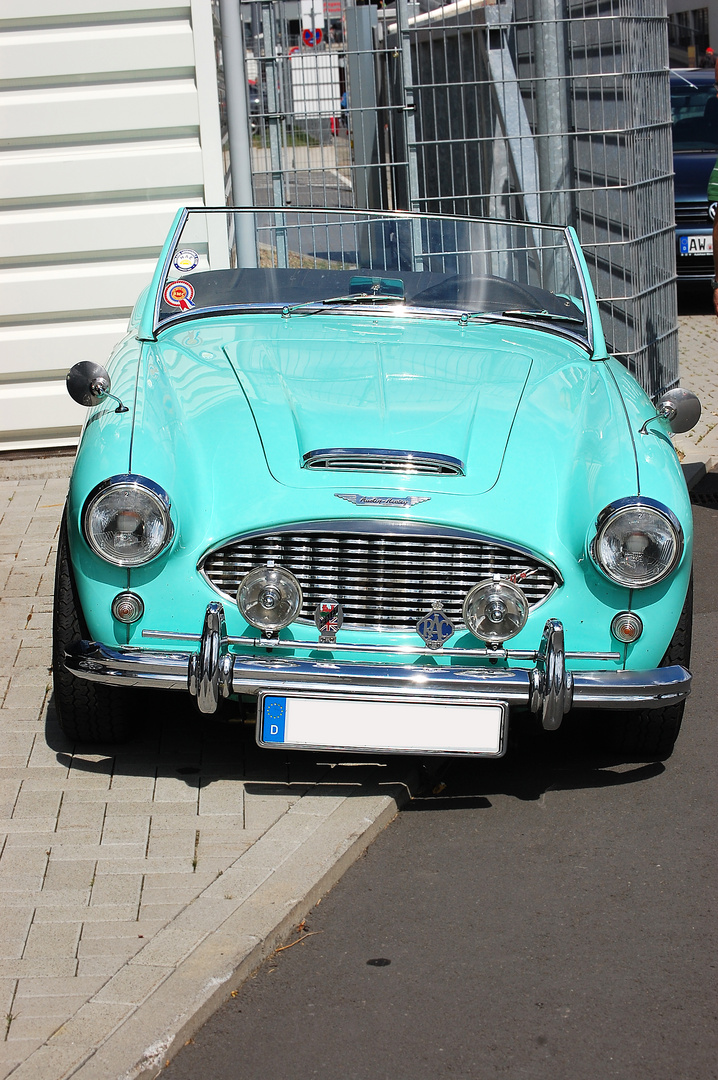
134, 482
611, 513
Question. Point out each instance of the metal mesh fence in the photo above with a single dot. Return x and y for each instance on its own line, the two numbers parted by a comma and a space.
543, 110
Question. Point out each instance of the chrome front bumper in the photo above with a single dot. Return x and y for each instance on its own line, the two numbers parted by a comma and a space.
212, 673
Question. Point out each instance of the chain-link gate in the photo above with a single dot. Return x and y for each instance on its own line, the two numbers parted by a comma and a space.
546, 110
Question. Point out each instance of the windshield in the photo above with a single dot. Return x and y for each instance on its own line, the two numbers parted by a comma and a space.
299, 263
694, 107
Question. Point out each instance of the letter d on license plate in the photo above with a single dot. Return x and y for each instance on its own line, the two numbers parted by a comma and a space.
334, 722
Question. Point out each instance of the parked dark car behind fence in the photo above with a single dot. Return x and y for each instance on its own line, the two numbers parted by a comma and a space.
694, 105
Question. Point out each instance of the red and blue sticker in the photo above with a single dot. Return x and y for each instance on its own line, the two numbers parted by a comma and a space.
179, 294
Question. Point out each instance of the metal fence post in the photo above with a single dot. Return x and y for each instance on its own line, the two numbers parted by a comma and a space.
274, 119
553, 142
235, 81
362, 100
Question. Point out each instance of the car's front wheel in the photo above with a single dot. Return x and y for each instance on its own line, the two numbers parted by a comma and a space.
86, 711
650, 734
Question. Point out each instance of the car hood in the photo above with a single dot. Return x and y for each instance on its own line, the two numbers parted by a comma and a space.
225, 405
335, 383
692, 171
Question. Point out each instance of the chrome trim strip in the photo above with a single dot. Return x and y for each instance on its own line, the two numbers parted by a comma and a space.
392, 650
584, 291
171, 248
369, 459
360, 212
170, 671
453, 315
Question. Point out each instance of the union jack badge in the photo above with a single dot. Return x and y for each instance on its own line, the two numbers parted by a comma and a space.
435, 628
328, 618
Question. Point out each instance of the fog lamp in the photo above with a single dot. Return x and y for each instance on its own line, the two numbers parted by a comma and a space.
269, 597
495, 610
626, 627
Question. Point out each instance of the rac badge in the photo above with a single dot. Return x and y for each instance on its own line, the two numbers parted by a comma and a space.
328, 618
435, 628
383, 500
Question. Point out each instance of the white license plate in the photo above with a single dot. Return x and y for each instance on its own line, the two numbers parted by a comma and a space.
342, 723
696, 245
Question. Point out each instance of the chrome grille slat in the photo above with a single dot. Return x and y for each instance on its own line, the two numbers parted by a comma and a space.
693, 211
383, 581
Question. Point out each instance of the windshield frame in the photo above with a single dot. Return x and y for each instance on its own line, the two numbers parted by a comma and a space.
151, 324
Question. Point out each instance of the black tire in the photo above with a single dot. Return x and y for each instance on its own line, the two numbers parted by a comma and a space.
651, 734
86, 711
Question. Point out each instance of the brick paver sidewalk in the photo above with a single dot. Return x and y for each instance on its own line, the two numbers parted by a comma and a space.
698, 363
114, 867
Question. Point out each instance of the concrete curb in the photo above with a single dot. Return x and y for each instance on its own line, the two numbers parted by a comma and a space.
38, 466
144, 1014
695, 466
695, 470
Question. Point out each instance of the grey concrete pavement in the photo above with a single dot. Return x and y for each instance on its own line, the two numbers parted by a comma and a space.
698, 366
138, 887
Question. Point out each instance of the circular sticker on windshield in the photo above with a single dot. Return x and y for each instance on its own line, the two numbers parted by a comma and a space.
186, 260
179, 294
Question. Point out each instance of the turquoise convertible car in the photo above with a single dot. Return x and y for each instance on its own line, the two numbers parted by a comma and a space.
378, 475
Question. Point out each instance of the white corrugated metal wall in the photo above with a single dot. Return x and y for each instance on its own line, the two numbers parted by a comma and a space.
108, 122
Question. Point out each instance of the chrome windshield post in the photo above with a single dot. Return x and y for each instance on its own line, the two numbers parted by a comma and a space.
551, 683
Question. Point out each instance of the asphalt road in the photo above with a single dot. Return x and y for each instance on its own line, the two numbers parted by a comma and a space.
548, 916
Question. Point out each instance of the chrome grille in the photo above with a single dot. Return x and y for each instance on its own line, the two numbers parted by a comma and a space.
365, 460
692, 213
384, 581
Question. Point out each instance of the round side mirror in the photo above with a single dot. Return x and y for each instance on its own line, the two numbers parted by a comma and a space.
681, 408
87, 383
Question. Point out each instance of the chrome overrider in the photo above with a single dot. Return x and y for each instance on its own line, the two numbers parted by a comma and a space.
213, 673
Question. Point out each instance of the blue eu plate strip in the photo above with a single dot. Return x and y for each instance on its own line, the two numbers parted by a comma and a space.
275, 710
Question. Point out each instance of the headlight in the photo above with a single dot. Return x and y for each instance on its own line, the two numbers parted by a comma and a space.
495, 610
126, 520
269, 597
638, 542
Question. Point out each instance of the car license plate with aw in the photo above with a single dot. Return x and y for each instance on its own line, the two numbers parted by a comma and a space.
696, 245
342, 722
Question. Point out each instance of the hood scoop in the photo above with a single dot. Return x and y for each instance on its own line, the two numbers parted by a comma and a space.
364, 460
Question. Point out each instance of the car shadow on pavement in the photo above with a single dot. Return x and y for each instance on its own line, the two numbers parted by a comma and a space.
695, 298
567, 760
175, 742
